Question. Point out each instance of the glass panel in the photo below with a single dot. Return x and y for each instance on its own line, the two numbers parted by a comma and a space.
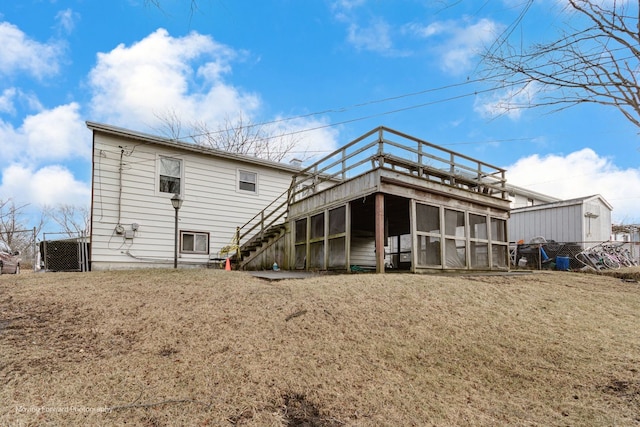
317, 226
248, 177
316, 255
405, 243
170, 167
301, 230
337, 253
499, 256
248, 186
428, 218
337, 220
498, 230
479, 255
454, 223
187, 242
478, 226
429, 250
169, 184
455, 253
392, 243
202, 241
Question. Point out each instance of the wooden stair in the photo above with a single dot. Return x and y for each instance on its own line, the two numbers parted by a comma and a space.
260, 242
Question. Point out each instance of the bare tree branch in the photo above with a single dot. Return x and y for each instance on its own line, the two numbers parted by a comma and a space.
170, 124
14, 230
597, 61
239, 136
74, 220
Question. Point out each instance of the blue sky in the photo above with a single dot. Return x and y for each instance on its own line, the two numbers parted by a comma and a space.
341, 67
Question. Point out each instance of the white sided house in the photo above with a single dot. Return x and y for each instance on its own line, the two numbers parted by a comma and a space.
134, 178
386, 200
522, 197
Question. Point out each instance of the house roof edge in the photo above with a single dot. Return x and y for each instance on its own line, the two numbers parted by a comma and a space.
154, 139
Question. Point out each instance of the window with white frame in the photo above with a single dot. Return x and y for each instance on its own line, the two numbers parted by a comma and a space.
170, 175
248, 181
193, 242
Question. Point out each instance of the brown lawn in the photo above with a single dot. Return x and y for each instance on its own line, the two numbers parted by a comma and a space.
209, 347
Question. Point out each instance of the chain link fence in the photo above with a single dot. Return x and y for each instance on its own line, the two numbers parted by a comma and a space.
64, 254
551, 255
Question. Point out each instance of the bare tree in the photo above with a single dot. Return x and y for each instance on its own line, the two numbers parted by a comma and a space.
74, 220
244, 137
13, 228
594, 59
239, 136
170, 124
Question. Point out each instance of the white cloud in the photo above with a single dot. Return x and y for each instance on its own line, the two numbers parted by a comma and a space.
313, 138
348, 4
50, 185
578, 174
6, 100
48, 136
56, 134
342, 9
22, 54
374, 38
66, 20
508, 103
185, 77
132, 85
457, 43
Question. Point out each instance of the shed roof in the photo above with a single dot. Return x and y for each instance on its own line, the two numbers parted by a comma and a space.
514, 189
563, 203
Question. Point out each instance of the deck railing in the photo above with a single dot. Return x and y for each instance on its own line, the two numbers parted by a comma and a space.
390, 149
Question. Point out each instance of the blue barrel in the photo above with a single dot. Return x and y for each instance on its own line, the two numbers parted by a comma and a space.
562, 263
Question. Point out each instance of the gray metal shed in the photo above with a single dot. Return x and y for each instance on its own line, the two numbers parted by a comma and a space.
585, 221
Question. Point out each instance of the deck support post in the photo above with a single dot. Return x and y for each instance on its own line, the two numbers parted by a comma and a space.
379, 233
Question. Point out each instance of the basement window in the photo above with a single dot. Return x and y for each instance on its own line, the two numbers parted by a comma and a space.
170, 173
192, 242
248, 181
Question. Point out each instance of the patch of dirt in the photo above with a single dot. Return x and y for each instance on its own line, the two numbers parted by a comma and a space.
167, 351
300, 412
628, 390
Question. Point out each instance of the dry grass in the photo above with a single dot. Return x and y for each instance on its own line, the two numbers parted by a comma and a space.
194, 347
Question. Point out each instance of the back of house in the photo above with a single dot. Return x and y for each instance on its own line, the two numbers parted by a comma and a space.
135, 175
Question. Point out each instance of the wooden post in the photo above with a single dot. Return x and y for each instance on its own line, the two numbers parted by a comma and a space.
379, 233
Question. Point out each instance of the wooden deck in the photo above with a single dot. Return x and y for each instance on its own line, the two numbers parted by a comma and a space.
385, 169
384, 148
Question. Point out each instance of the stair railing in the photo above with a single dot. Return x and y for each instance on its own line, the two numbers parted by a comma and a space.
267, 217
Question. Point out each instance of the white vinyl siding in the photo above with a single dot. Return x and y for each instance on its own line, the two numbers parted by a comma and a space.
211, 204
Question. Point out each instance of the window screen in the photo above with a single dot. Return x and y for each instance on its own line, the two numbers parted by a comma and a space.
428, 218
